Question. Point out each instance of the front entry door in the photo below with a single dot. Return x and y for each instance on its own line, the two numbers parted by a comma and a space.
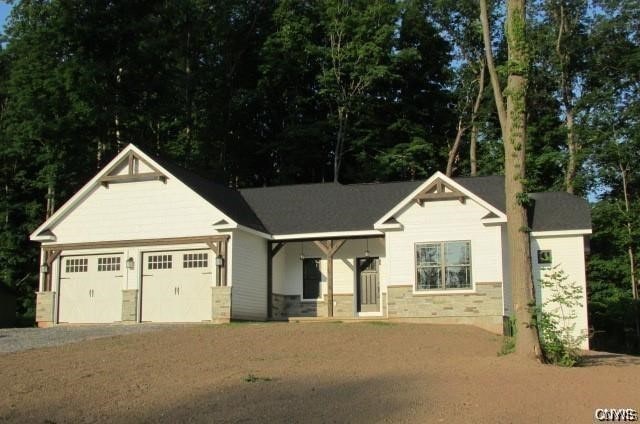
368, 285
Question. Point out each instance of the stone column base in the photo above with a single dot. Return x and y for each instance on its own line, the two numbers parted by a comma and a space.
130, 305
45, 305
221, 304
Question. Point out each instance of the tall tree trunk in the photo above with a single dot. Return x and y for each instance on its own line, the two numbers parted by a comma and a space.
453, 152
343, 117
513, 123
473, 143
493, 73
566, 90
631, 253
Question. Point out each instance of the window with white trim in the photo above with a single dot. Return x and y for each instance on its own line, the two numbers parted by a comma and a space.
109, 264
311, 277
443, 265
160, 262
195, 260
76, 265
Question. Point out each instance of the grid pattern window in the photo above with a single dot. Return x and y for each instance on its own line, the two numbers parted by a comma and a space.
77, 265
109, 264
311, 277
443, 265
195, 260
160, 262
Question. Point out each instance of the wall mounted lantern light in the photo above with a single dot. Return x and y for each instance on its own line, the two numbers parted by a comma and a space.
130, 263
219, 261
44, 268
366, 252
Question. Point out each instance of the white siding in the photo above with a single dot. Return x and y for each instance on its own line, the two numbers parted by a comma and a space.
568, 254
443, 221
249, 284
506, 272
287, 266
138, 210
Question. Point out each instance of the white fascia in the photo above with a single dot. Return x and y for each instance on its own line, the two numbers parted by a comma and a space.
561, 233
334, 234
451, 183
84, 191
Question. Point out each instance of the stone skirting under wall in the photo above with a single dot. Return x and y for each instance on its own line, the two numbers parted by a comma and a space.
130, 305
221, 304
482, 308
287, 306
45, 305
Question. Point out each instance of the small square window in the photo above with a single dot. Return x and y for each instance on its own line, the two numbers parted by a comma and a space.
160, 262
195, 260
544, 257
109, 264
77, 265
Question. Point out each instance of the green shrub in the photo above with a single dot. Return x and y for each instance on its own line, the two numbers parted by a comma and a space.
555, 319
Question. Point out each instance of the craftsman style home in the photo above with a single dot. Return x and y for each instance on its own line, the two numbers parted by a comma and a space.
146, 240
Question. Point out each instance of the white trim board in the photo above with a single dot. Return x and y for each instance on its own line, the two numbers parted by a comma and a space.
95, 181
439, 176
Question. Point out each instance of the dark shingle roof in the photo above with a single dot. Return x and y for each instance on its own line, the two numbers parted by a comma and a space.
229, 201
315, 208
556, 211
329, 207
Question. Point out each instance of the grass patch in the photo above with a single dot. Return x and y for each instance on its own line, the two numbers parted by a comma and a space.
252, 378
508, 345
380, 323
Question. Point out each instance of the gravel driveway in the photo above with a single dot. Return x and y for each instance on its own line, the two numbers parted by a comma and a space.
19, 339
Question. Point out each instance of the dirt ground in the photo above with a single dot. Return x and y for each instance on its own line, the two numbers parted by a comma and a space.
306, 372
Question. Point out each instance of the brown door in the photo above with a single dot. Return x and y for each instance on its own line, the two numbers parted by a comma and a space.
368, 285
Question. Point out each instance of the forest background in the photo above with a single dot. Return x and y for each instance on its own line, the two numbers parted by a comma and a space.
264, 92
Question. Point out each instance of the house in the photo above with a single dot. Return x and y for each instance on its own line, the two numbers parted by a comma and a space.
146, 240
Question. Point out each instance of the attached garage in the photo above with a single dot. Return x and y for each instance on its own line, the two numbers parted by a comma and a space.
176, 286
91, 288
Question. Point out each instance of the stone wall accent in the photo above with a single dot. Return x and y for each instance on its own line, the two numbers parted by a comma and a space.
130, 305
45, 302
221, 304
343, 305
286, 306
482, 308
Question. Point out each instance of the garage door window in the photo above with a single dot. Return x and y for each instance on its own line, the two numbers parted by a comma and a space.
109, 264
77, 265
195, 260
160, 262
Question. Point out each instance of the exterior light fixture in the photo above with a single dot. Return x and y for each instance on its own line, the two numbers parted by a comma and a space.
302, 251
130, 263
366, 252
44, 268
219, 261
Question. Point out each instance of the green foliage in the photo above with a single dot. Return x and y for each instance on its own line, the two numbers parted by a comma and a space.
509, 339
555, 318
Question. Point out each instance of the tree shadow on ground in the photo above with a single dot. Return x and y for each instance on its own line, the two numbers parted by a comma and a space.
594, 358
258, 399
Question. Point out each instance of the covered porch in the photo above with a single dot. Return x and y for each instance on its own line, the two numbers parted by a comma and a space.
326, 278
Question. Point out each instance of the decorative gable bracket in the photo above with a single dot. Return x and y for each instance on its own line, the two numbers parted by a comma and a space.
132, 169
438, 190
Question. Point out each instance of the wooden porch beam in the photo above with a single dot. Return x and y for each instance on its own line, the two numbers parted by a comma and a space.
330, 248
272, 250
139, 242
50, 256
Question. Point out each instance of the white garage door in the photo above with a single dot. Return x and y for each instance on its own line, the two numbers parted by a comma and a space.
176, 286
91, 288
